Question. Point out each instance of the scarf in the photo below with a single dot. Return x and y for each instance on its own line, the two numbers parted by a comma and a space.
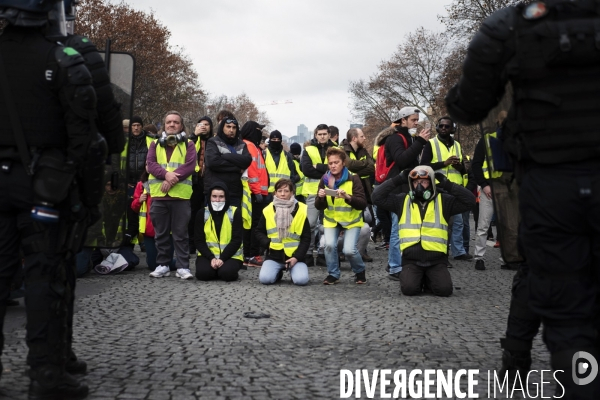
283, 215
332, 183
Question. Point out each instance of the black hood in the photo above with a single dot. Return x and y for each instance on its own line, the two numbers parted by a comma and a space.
225, 138
222, 186
210, 132
250, 132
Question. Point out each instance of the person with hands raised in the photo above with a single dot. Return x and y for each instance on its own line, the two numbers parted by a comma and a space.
285, 231
423, 213
343, 211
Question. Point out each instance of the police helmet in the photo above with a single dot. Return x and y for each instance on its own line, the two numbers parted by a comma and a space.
35, 14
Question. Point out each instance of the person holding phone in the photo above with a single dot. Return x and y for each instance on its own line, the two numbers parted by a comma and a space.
342, 197
444, 154
284, 230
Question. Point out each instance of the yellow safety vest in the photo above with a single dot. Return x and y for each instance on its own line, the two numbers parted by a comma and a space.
311, 186
300, 183
149, 140
353, 157
217, 245
290, 243
340, 212
198, 146
246, 204
375, 151
488, 149
432, 232
276, 172
144, 209
441, 153
183, 188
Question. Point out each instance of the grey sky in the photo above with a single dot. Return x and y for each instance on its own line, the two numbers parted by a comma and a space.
306, 51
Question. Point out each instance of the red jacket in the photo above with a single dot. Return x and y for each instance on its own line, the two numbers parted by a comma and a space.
258, 178
136, 205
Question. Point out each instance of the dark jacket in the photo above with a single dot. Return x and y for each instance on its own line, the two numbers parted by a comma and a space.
457, 200
357, 201
224, 166
236, 228
360, 167
279, 255
306, 164
477, 164
396, 151
138, 151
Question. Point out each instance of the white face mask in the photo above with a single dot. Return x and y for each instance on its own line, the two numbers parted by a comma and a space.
412, 131
217, 205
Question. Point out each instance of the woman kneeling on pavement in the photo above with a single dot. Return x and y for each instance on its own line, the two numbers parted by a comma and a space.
284, 230
218, 237
423, 216
343, 211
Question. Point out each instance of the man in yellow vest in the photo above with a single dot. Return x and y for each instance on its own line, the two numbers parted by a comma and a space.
361, 163
279, 163
171, 163
314, 166
423, 214
444, 155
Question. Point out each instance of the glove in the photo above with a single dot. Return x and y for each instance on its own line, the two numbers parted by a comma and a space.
258, 198
443, 181
404, 175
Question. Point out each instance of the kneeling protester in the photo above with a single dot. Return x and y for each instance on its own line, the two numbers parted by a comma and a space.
423, 216
284, 230
218, 237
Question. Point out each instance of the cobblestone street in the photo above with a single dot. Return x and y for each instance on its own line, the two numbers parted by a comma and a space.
146, 338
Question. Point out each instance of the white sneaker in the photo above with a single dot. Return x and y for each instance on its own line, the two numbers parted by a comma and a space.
184, 273
160, 271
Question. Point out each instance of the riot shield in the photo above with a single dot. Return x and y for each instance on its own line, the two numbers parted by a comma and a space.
505, 191
109, 231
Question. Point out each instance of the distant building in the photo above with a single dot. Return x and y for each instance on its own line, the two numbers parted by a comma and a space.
302, 134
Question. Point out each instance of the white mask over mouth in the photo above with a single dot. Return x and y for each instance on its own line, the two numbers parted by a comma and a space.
217, 205
412, 131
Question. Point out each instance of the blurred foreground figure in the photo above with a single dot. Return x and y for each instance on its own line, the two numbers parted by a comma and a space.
549, 53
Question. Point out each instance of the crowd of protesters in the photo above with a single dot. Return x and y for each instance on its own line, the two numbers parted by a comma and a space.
238, 198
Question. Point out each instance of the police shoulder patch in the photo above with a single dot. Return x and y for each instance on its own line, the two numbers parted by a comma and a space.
70, 51
535, 10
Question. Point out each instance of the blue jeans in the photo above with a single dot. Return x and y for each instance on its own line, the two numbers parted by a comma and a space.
456, 240
270, 268
466, 233
151, 254
350, 250
394, 256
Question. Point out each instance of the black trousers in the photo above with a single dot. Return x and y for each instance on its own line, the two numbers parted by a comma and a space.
228, 271
49, 285
436, 277
197, 203
523, 324
385, 219
560, 235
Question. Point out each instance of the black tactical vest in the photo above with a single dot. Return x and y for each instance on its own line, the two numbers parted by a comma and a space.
556, 81
29, 62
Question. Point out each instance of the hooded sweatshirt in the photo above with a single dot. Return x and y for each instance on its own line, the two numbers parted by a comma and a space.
226, 159
236, 226
258, 178
457, 200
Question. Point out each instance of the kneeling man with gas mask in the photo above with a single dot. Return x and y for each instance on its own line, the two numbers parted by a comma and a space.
423, 216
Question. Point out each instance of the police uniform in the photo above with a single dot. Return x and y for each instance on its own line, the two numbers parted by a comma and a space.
51, 90
552, 134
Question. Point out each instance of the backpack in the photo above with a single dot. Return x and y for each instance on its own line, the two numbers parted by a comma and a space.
381, 169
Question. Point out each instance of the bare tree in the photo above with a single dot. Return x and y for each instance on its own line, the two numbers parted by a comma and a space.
165, 78
465, 16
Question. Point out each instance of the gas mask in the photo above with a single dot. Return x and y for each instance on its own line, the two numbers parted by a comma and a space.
421, 193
